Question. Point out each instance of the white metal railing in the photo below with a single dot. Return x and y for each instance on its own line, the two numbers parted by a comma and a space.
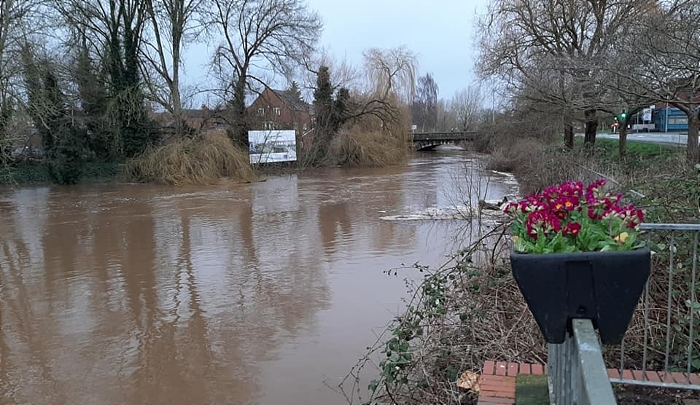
670, 347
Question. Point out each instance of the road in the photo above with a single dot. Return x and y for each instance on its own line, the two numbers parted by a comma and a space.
666, 138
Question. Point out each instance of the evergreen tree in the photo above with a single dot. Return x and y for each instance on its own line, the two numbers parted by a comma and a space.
294, 91
99, 136
323, 106
63, 142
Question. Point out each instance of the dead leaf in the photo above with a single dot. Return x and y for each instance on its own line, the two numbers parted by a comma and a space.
469, 381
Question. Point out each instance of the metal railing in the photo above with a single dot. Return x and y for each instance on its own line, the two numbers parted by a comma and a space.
670, 345
576, 369
661, 347
448, 136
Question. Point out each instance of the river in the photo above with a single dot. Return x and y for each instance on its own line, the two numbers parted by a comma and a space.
263, 293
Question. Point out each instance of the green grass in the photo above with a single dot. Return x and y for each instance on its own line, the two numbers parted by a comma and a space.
636, 148
531, 390
639, 154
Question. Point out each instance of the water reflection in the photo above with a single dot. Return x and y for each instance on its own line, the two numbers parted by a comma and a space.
245, 294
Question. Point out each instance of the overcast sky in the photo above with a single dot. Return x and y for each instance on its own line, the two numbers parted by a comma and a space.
440, 32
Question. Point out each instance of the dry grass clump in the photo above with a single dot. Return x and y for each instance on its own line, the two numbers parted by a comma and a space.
203, 159
522, 153
373, 149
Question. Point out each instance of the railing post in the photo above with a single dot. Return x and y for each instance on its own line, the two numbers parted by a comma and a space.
577, 374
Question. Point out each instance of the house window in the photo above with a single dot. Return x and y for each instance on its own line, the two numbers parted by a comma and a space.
304, 126
261, 112
277, 111
270, 125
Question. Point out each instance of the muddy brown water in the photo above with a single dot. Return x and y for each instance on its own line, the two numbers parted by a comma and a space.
262, 293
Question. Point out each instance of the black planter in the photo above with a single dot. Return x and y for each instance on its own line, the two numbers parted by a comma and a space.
601, 286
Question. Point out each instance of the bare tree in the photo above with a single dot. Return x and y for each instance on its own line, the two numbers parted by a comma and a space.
446, 116
665, 47
20, 21
467, 104
257, 36
424, 106
171, 24
557, 48
343, 74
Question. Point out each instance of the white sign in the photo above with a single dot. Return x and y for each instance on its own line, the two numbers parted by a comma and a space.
646, 114
272, 146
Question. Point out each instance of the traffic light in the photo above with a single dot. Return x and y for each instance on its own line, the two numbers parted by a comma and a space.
623, 115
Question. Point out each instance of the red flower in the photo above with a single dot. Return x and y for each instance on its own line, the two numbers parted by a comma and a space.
572, 228
543, 221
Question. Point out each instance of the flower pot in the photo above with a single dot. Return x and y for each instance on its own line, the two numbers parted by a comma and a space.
601, 286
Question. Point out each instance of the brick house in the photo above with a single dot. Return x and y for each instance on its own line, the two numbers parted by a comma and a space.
284, 110
196, 119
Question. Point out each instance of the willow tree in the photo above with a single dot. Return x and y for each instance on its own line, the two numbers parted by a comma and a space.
566, 42
391, 72
257, 37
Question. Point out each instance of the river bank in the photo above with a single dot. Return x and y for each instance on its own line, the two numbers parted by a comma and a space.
469, 309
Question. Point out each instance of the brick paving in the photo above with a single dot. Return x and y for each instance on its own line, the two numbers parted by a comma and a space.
498, 379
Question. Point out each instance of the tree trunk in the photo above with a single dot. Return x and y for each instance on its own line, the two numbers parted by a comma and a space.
623, 137
591, 126
693, 127
175, 93
569, 135
239, 125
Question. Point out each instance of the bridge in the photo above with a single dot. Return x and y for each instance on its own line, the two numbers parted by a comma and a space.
431, 140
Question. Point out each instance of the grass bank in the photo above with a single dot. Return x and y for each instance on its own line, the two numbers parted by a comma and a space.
470, 310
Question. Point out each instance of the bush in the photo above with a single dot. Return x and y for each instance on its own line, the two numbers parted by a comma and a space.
522, 153
203, 159
66, 166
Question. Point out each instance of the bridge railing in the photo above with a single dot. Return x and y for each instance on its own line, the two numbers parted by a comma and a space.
441, 136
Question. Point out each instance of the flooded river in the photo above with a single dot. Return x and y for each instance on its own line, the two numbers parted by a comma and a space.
260, 294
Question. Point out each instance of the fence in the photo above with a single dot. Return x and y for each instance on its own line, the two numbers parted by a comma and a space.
669, 349
665, 354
